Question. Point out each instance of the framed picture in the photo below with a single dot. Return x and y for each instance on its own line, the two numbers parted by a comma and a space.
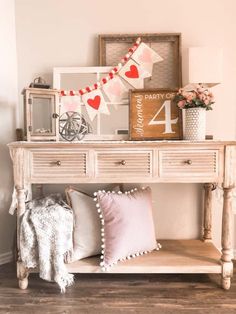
166, 74
153, 115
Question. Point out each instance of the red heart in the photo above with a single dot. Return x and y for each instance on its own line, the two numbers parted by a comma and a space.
94, 103
133, 72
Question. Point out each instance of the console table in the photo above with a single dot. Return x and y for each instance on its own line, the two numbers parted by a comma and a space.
209, 162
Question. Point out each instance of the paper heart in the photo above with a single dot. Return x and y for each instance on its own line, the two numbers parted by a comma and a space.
70, 107
146, 56
94, 102
133, 72
115, 89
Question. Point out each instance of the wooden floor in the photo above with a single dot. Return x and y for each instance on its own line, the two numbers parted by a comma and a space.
102, 294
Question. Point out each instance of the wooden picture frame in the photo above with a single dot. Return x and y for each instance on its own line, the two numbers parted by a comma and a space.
166, 74
154, 116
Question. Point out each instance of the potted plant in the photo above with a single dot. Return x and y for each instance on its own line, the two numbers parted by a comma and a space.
196, 101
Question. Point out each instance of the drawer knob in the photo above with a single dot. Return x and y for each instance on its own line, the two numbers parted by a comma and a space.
57, 163
188, 162
122, 162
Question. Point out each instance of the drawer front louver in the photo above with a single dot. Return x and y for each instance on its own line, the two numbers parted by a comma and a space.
188, 163
58, 164
124, 164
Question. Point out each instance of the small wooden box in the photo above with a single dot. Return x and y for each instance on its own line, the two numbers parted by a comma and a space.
41, 108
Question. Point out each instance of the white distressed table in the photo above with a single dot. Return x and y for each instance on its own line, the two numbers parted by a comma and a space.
209, 162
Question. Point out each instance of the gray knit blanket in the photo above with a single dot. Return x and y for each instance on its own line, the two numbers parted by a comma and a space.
46, 230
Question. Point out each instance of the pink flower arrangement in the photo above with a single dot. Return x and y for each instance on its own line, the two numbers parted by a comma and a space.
198, 97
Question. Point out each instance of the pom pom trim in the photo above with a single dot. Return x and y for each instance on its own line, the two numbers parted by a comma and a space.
105, 267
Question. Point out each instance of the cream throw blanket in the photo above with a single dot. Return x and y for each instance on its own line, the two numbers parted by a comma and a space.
46, 238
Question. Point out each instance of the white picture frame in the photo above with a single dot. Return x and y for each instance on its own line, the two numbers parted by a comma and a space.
97, 73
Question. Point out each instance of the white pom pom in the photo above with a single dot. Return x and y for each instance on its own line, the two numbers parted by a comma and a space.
95, 193
97, 205
132, 191
102, 251
102, 230
95, 199
113, 192
143, 188
103, 191
102, 234
103, 268
133, 255
100, 215
135, 189
145, 252
126, 192
102, 256
137, 254
99, 210
128, 257
103, 240
99, 191
102, 222
102, 264
140, 253
119, 192
103, 246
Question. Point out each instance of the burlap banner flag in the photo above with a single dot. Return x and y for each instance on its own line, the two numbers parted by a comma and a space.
95, 102
134, 74
146, 57
115, 90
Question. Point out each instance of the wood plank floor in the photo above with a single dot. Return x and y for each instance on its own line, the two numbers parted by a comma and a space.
103, 294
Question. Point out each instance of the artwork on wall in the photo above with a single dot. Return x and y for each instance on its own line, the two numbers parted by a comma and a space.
165, 74
154, 115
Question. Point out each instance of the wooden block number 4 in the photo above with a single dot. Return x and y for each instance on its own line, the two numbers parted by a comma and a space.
168, 121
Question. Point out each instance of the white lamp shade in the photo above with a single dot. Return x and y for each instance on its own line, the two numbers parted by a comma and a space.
202, 65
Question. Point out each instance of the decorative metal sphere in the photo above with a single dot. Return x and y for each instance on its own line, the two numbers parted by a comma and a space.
73, 126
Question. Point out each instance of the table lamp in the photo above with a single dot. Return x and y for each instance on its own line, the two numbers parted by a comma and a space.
202, 65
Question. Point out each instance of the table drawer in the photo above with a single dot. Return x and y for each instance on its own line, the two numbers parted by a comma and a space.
187, 163
124, 164
58, 164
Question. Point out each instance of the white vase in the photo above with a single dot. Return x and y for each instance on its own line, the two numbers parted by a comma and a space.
195, 124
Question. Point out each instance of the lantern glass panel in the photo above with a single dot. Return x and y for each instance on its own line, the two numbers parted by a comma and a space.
42, 111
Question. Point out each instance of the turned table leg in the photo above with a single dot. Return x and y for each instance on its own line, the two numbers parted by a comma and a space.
207, 221
22, 271
226, 240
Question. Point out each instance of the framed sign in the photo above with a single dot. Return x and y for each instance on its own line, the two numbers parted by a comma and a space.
166, 74
154, 115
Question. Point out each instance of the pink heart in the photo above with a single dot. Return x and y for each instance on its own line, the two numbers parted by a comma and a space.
146, 56
114, 89
70, 107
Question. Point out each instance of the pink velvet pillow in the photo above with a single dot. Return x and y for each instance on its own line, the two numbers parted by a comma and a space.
127, 225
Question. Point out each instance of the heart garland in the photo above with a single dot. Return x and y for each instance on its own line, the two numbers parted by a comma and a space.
131, 71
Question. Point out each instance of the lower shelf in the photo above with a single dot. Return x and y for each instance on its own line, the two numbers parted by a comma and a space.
176, 256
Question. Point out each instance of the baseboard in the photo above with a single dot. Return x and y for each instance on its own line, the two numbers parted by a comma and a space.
6, 258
